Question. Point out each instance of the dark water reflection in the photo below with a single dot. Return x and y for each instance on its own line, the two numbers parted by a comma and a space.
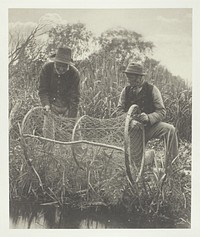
29, 216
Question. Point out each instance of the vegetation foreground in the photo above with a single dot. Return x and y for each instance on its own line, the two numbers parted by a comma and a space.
102, 183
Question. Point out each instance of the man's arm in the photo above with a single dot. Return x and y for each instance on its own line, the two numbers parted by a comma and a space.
74, 96
44, 86
160, 111
121, 104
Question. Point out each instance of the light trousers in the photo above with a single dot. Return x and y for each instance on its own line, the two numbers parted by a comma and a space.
169, 134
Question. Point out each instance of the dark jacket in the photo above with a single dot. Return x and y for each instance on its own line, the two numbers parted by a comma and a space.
144, 99
148, 99
60, 90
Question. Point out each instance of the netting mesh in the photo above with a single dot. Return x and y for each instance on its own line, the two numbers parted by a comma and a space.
106, 131
45, 132
38, 123
50, 134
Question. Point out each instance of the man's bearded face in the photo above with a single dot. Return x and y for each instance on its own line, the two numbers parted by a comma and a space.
61, 68
135, 80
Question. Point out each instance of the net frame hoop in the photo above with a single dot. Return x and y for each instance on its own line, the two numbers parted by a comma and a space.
126, 148
28, 114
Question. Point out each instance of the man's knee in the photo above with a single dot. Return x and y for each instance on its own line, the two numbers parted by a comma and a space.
171, 128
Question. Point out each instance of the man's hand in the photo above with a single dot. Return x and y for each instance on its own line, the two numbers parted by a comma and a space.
47, 108
143, 118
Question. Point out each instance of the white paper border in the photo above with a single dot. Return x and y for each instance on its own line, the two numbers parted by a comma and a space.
4, 214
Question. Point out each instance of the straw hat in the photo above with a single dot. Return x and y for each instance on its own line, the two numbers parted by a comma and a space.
135, 68
64, 55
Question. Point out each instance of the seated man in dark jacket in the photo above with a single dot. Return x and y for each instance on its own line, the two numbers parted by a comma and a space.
149, 100
59, 88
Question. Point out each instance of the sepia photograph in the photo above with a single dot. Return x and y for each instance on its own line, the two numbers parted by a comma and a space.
100, 109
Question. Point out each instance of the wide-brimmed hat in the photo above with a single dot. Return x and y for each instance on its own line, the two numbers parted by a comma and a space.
63, 55
135, 68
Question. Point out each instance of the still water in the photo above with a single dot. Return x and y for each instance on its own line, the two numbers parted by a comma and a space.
29, 216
